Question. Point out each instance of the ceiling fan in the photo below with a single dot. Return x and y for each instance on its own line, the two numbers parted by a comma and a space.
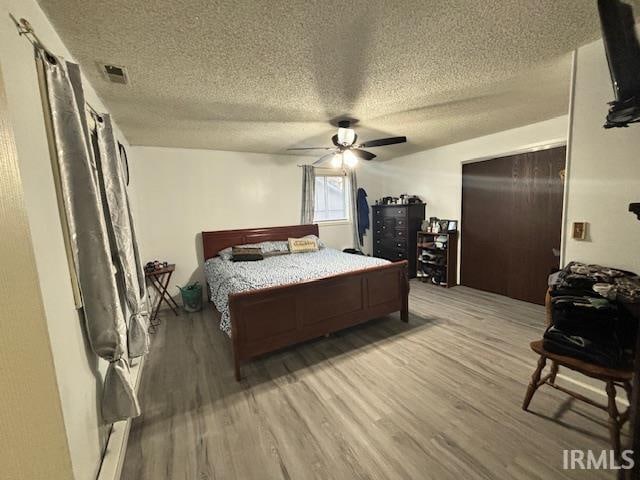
345, 150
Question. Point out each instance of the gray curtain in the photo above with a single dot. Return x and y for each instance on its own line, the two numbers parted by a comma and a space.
308, 194
353, 206
103, 316
123, 242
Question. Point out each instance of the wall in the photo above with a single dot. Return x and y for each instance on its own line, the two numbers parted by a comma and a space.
30, 412
181, 192
604, 171
436, 174
79, 372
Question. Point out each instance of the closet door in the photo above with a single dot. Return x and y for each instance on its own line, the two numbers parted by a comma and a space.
511, 223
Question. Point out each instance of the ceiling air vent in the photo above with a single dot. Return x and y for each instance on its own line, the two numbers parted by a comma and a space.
116, 74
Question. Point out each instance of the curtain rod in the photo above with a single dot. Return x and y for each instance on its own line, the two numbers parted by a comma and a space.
343, 171
26, 30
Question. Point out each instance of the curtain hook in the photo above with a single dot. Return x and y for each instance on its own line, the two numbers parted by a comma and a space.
24, 28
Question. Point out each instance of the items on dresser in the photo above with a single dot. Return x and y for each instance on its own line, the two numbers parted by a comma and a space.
437, 257
403, 199
394, 232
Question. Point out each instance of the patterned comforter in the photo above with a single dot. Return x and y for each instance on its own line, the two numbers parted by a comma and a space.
225, 277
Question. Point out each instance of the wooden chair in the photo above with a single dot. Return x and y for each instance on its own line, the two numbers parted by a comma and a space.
610, 376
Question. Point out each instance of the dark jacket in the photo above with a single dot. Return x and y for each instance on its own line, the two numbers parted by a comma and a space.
363, 213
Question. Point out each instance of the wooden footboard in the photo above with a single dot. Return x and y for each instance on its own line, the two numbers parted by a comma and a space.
268, 319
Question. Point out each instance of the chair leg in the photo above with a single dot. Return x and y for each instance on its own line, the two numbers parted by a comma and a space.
236, 371
614, 419
534, 383
554, 372
628, 389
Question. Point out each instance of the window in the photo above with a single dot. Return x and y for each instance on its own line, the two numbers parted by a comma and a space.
331, 199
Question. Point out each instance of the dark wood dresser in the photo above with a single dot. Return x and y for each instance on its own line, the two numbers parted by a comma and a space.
395, 230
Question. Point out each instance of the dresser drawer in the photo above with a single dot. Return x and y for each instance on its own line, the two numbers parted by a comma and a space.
393, 243
396, 212
390, 253
385, 232
389, 223
396, 255
400, 233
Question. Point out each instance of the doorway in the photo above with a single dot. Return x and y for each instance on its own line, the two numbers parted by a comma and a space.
512, 223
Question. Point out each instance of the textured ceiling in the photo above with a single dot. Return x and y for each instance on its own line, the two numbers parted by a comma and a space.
262, 76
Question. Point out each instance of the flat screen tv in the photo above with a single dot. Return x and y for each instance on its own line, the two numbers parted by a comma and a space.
623, 55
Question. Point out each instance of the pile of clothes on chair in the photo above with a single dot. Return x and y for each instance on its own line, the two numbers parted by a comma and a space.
589, 319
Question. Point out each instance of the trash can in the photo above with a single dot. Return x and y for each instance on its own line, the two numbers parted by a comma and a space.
191, 297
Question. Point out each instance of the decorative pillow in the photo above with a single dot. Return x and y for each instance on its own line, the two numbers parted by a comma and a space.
246, 254
304, 244
276, 246
271, 248
319, 242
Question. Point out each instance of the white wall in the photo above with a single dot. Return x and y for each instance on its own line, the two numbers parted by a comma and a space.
79, 372
604, 171
436, 174
182, 192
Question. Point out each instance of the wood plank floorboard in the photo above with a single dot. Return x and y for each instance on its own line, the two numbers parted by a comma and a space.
438, 398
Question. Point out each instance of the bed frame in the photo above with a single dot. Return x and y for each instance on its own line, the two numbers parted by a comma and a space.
272, 318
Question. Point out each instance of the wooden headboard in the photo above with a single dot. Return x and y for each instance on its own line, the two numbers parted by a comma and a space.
213, 242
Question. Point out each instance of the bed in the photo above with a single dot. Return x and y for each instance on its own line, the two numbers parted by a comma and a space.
284, 300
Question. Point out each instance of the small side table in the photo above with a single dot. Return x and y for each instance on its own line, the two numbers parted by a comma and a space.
159, 280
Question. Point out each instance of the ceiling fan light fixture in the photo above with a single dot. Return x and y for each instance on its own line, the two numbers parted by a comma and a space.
336, 160
346, 136
350, 160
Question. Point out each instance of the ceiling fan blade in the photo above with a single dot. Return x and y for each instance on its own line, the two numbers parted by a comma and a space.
323, 159
311, 148
363, 154
383, 141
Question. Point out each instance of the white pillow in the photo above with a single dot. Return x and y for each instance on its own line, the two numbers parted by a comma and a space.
319, 242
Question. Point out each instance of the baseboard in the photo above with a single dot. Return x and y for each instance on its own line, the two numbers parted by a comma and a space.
116, 448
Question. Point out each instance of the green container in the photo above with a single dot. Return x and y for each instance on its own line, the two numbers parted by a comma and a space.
191, 297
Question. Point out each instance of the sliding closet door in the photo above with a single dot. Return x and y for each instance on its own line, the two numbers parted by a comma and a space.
511, 223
